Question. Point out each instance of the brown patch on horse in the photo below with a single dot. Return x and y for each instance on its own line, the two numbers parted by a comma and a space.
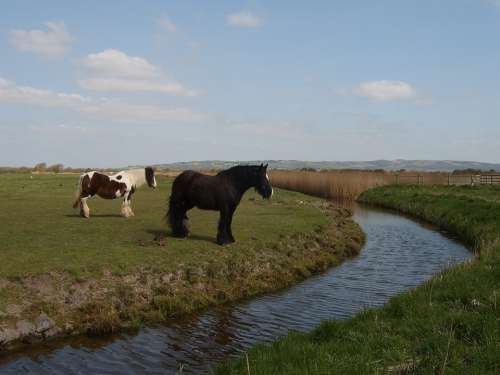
101, 185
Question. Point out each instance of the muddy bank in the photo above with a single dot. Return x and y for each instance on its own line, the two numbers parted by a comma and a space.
58, 304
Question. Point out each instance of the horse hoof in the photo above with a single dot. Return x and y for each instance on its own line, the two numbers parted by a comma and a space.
180, 234
225, 241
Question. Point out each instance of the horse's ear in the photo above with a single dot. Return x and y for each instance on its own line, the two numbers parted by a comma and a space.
265, 166
261, 166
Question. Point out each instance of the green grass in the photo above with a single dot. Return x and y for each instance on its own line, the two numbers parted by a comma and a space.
451, 324
107, 272
42, 233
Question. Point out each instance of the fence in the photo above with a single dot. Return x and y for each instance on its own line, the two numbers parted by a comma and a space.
447, 179
489, 179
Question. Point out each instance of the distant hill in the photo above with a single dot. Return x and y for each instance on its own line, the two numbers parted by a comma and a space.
389, 165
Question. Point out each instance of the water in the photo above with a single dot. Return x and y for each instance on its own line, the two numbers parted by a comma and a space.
399, 254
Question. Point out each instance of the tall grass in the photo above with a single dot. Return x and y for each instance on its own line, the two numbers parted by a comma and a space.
342, 185
349, 184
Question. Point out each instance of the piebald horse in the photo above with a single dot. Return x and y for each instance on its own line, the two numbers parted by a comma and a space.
121, 184
222, 192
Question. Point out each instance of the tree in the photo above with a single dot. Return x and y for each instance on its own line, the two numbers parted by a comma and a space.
40, 167
56, 168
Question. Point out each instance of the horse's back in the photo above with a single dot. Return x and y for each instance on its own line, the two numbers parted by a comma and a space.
184, 179
197, 189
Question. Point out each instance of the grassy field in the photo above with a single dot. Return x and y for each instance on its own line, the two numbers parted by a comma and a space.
451, 324
100, 274
41, 232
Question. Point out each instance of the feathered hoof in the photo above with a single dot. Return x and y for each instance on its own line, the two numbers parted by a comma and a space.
84, 212
180, 233
222, 240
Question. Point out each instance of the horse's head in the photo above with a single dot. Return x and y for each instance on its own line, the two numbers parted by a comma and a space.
262, 183
150, 177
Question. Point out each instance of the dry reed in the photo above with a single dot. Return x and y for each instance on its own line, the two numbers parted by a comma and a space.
349, 184
342, 185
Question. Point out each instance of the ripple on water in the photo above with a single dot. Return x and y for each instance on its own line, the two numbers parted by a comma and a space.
399, 254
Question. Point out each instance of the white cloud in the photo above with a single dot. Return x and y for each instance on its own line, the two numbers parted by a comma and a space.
166, 23
54, 42
117, 84
382, 91
114, 70
116, 63
243, 19
115, 110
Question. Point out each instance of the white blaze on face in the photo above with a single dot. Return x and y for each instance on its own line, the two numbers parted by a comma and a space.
272, 190
154, 181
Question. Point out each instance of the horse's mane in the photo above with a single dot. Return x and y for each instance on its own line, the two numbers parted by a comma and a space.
240, 171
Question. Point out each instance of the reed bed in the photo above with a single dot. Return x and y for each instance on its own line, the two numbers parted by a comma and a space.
348, 184
341, 185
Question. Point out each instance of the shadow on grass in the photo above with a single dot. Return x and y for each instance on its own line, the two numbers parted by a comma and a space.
159, 233
96, 215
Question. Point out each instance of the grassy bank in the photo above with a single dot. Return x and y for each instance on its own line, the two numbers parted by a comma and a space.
61, 274
451, 324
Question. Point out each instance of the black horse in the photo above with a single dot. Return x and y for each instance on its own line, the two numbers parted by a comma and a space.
221, 192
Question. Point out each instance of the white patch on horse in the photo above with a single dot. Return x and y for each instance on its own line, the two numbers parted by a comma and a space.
272, 190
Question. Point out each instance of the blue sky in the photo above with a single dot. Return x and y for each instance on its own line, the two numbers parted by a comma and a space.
115, 83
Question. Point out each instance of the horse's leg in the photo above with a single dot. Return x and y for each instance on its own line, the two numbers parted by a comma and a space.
84, 208
229, 223
185, 223
125, 206
178, 219
223, 236
129, 200
181, 227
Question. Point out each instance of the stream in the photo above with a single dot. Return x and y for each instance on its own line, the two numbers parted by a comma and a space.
399, 254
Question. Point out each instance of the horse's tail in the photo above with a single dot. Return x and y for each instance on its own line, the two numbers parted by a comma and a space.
78, 192
176, 214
